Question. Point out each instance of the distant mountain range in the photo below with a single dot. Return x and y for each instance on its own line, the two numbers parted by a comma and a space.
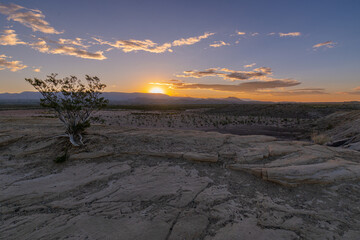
128, 99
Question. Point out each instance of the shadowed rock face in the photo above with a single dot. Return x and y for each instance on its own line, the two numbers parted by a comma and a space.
342, 129
172, 184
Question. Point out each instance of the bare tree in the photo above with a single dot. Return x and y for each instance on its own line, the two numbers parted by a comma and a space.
73, 102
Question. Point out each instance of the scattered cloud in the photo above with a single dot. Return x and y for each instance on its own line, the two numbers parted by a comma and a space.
58, 47
270, 34
327, 44
76, 42
242, 87
240, 33
191, 40
72, 51
9, 38
36, 69
227, 74
31, 18
137, 45
13, 66
219, 44
150, 46
290, 34
200, 74
254, 34
249, 65
264, 84
355, 91
305, 91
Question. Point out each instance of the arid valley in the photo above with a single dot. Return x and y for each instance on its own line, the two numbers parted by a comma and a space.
151, 174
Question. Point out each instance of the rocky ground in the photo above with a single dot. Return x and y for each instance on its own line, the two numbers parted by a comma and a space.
342, 129
200, 119
132, 183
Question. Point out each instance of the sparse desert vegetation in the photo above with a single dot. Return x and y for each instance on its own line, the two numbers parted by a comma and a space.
72, 102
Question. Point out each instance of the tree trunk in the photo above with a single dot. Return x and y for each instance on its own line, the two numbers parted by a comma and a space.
73, 141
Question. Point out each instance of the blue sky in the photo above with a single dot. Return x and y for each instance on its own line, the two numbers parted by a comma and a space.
302, 50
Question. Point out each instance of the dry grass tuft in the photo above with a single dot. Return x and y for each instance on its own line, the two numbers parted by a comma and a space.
320, 139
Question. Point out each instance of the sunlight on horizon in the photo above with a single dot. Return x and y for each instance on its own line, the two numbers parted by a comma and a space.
157, 90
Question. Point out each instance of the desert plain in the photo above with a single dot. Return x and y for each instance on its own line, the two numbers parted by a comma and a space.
180, 175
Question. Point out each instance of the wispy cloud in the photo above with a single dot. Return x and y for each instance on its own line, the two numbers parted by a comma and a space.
58, 47
13, 66
304, 91
240, 33
327, 44
355, 91
77, 42
36, 69
150, 46
31, 18
219, 44
228, 74
191, 40
137, 45
290, 34
249, 65
9, 37
242, 87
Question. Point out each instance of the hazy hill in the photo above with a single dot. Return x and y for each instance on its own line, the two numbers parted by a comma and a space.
129, 98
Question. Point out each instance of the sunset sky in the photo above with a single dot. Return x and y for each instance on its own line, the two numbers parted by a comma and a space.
279, 50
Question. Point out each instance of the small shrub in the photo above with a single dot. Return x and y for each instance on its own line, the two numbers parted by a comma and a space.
62, 158
320, 139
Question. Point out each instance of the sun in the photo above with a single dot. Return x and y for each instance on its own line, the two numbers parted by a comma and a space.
156, 90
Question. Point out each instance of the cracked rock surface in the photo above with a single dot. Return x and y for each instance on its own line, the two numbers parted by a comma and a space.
130, 183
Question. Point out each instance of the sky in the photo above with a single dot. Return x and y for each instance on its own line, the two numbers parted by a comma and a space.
279, 50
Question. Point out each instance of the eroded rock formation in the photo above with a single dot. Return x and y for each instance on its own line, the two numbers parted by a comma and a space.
173, 184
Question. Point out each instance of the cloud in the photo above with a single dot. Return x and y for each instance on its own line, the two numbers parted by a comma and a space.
270, 34
290, 34
31, 18
327, 44
72, 51
249, 65
150, 46
191, 40
58, 47
13, 66
264, 84
240, 33
137, 45
10, 38
228, 74
305, 91
254, 34
219, 44
200, 74
242, 87
76, 42
355, 91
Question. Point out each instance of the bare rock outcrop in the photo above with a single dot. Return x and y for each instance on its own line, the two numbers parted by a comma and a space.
342, 129
130, 183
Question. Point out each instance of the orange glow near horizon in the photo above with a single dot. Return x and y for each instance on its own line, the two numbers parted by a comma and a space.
157, 90
204, 93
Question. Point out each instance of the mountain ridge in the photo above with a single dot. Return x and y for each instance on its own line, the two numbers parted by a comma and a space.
131, 98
